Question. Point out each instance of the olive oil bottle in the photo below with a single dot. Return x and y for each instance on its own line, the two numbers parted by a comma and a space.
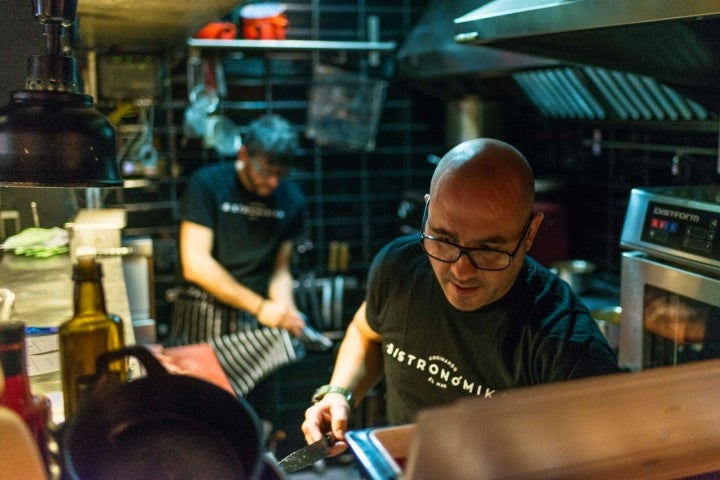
89, 333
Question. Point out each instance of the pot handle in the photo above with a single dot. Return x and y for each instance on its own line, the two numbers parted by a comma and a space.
152, 365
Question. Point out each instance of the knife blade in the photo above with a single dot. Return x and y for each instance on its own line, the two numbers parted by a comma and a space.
307, 455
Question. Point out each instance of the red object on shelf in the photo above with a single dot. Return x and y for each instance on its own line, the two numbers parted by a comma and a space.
264, 21
218, 31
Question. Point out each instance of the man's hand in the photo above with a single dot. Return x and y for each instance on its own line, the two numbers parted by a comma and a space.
329, 414
275, 314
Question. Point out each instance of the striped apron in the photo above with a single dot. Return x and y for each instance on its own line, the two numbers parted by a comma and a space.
246, 351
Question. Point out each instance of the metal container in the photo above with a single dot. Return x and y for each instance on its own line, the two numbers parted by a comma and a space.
578, 273
608, 319
344, 108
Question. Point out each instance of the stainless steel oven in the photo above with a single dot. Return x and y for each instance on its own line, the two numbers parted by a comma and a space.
670, 277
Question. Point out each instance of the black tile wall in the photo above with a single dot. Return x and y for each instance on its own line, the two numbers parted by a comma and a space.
601, 163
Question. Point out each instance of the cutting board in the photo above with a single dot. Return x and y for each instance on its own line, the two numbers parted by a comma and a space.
662, 423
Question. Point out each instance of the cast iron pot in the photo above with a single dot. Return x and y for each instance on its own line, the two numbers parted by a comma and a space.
161, 426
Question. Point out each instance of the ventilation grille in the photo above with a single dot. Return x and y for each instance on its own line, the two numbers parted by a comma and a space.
594, 93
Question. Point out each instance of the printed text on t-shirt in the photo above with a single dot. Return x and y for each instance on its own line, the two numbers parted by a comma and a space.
252, 211
442, 373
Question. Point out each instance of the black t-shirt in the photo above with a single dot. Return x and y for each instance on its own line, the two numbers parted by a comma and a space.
248, 229
433, 354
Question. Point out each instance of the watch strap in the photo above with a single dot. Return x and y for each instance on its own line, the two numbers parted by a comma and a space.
325, 389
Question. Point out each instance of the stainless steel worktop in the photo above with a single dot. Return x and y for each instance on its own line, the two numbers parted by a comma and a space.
43, 290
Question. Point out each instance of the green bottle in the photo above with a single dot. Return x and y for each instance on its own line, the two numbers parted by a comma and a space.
89, 333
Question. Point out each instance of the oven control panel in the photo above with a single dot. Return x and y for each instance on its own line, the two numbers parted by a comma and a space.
685, 229
679, 223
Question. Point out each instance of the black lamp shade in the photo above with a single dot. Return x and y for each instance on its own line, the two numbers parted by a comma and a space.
56, 139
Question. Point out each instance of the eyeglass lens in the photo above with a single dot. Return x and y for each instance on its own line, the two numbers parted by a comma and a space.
480, 258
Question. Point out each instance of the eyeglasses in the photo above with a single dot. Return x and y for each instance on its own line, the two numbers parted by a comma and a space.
481, 258
266, 171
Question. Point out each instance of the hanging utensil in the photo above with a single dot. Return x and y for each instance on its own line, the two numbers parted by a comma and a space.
36, 218
344, 108
339, 284
204, 101
222, 135
327, 286
316, 314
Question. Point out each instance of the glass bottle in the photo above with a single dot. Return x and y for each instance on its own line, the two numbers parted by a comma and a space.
89, 333
34, 409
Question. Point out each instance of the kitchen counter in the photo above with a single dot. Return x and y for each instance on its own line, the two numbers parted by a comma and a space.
43, 290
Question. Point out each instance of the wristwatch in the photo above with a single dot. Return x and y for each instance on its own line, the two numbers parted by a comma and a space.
325, 389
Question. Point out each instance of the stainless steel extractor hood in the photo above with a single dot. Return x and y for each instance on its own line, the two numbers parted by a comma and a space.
673, 41
431, 58
597, 93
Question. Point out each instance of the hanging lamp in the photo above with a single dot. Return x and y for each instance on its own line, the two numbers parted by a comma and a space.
51, 135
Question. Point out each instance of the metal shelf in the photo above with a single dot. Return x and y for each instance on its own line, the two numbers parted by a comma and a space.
290, 45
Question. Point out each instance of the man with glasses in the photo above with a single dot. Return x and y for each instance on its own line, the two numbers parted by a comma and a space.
238, 222
460, 309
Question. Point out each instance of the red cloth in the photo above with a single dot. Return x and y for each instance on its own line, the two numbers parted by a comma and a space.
199, 360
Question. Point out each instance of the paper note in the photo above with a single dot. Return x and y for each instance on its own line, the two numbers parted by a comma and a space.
43, 354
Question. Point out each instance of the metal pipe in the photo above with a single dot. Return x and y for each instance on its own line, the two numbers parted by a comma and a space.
651, 147
291, 45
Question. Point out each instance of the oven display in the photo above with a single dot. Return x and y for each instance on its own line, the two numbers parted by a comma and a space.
685, 229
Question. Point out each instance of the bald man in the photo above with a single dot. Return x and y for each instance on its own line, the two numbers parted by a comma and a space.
461, 309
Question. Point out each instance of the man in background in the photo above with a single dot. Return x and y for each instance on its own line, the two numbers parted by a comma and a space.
238, 222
